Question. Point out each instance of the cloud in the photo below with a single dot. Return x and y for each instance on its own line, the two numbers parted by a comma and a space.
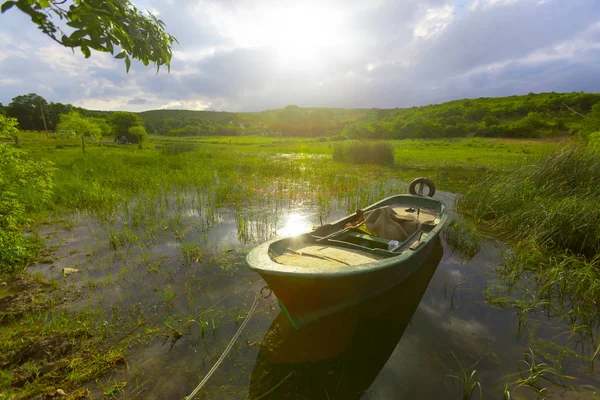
234, 55
434, 22
139, 100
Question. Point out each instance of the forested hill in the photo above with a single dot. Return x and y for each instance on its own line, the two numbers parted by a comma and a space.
289, 121
532, 115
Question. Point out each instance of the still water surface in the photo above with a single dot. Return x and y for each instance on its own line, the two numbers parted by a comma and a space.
408, 343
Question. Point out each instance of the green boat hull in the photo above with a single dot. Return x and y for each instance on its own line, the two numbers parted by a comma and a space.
353, 346
307, 294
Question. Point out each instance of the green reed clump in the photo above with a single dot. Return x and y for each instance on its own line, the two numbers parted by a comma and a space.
364, 152
463, 238
555, 201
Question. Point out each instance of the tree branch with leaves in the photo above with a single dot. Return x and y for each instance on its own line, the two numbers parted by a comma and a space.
102, 25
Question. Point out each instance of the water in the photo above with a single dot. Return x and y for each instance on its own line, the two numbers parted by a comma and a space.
190, 277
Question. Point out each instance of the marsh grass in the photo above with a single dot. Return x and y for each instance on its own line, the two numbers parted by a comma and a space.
565, 285
555, 201
550, 211
463, 238
41, 351
468, 380
538, 376
364, 152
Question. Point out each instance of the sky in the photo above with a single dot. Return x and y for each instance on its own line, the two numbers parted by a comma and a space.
244, 55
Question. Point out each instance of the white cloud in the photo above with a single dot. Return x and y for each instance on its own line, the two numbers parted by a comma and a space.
434, 22
490, 3
187, 105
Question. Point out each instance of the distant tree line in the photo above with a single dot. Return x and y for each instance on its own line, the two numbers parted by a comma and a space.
33, 112
532, 115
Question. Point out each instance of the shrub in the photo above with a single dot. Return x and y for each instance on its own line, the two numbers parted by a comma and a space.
25, 185
138, 132
8, 127
364, 152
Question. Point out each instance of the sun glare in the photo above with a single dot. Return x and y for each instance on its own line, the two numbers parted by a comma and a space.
295, 224
301, 34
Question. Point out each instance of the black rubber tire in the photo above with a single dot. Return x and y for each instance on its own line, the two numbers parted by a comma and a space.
412, 189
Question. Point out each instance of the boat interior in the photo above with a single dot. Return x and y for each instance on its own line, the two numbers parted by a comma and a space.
360, 238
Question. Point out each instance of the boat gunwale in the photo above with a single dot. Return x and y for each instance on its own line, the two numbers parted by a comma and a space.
259, 260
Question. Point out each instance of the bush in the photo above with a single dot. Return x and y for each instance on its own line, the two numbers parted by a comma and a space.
25, 185
8, 127
139, 133
358, 130
364, 152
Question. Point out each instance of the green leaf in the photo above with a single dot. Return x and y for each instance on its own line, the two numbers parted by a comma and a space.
44, 3
7, 5
86, 51
122, 54
127, 64
78, 34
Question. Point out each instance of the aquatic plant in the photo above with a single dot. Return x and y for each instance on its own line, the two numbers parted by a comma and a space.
468, 379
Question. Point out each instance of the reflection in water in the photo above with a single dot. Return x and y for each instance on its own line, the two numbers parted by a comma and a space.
295, 224
338, 357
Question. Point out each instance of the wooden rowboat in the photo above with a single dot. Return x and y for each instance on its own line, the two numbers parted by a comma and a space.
348, 261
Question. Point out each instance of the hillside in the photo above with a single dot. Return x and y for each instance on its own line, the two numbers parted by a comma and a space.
532, 115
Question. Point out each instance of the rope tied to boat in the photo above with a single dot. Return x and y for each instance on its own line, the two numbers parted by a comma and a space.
263, 294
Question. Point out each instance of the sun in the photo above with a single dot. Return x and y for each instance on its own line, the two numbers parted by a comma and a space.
301, 34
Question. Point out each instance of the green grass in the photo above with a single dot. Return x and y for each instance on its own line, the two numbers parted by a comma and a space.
43, 347
472, 153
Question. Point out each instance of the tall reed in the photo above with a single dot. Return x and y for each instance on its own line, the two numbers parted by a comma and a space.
364, 152
550, 210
